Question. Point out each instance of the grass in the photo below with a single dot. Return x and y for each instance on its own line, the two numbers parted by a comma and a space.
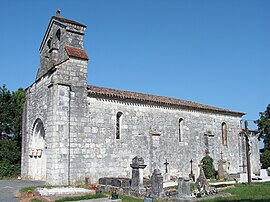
9, 178
84, 197
256, 192
26, 190
130, 199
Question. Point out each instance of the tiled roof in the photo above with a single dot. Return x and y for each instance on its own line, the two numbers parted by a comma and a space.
67, 21
76, 52
100, 92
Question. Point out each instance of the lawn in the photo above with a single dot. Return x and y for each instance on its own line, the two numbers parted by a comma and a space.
257, 192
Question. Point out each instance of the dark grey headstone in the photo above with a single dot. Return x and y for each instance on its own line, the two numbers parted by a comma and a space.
157, 184
183, 187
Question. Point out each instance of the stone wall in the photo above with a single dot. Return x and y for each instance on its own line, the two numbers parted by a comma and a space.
152, 132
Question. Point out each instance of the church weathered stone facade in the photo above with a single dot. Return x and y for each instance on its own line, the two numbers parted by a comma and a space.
73, 131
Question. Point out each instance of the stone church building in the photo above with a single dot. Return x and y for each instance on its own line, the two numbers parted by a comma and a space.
73, 131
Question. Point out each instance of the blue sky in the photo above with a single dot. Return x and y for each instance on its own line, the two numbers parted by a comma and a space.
214, 52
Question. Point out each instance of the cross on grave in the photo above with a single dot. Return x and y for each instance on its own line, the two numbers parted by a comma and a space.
191, 172
221, 157
166, 166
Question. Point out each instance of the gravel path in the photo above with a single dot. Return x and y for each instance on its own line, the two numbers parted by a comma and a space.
9, 187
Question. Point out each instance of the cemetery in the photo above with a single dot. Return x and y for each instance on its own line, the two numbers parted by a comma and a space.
156, 188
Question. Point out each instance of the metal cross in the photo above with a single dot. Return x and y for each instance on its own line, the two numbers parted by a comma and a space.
191, 172
221, 155
166, 166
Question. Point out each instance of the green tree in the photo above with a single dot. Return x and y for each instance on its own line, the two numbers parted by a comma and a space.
263, 124
10, 158
11, 108
208, 167
17, 101
5, 115
265, 159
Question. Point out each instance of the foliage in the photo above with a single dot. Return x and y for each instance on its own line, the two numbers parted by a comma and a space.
17, 100
192, 186
84, 197
36, 200
265, 159
263, 124
9, 158
11, 106
125, 198
244, 192
208, 167
26, 190
5, 109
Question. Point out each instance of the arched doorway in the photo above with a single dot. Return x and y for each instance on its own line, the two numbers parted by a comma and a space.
37, 152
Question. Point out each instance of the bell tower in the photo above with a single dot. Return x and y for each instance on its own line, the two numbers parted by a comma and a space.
60, 34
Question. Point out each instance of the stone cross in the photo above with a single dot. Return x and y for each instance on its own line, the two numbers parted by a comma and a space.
137, 174
166, 166
191, 175
58, 12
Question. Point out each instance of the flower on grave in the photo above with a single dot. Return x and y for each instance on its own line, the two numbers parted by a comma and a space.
94, 187
29, 191
113, 191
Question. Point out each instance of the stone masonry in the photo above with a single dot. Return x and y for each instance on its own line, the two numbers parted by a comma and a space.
92, 132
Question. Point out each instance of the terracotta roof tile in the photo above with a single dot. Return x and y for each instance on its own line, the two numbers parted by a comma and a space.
67, 21
95, 91
76, 52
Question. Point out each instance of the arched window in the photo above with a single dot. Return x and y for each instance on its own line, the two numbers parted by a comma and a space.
224, 134
118, 125
58, 34
49, 42
180, 130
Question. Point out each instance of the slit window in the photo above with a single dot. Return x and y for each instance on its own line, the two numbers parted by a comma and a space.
180, 130
118, 125
224, 134
58, 34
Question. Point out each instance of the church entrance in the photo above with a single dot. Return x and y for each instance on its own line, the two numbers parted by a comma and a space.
37, 154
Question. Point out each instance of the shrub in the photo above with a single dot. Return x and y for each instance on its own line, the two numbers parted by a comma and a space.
10, 156
265, 159
208, 167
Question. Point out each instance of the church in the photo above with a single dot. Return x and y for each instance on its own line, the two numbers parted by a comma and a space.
73, 131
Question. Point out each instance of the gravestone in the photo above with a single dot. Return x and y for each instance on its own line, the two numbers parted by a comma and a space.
157, 184
221, 174
137, 175
201, 181
183, 188
264, 174
148, 199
